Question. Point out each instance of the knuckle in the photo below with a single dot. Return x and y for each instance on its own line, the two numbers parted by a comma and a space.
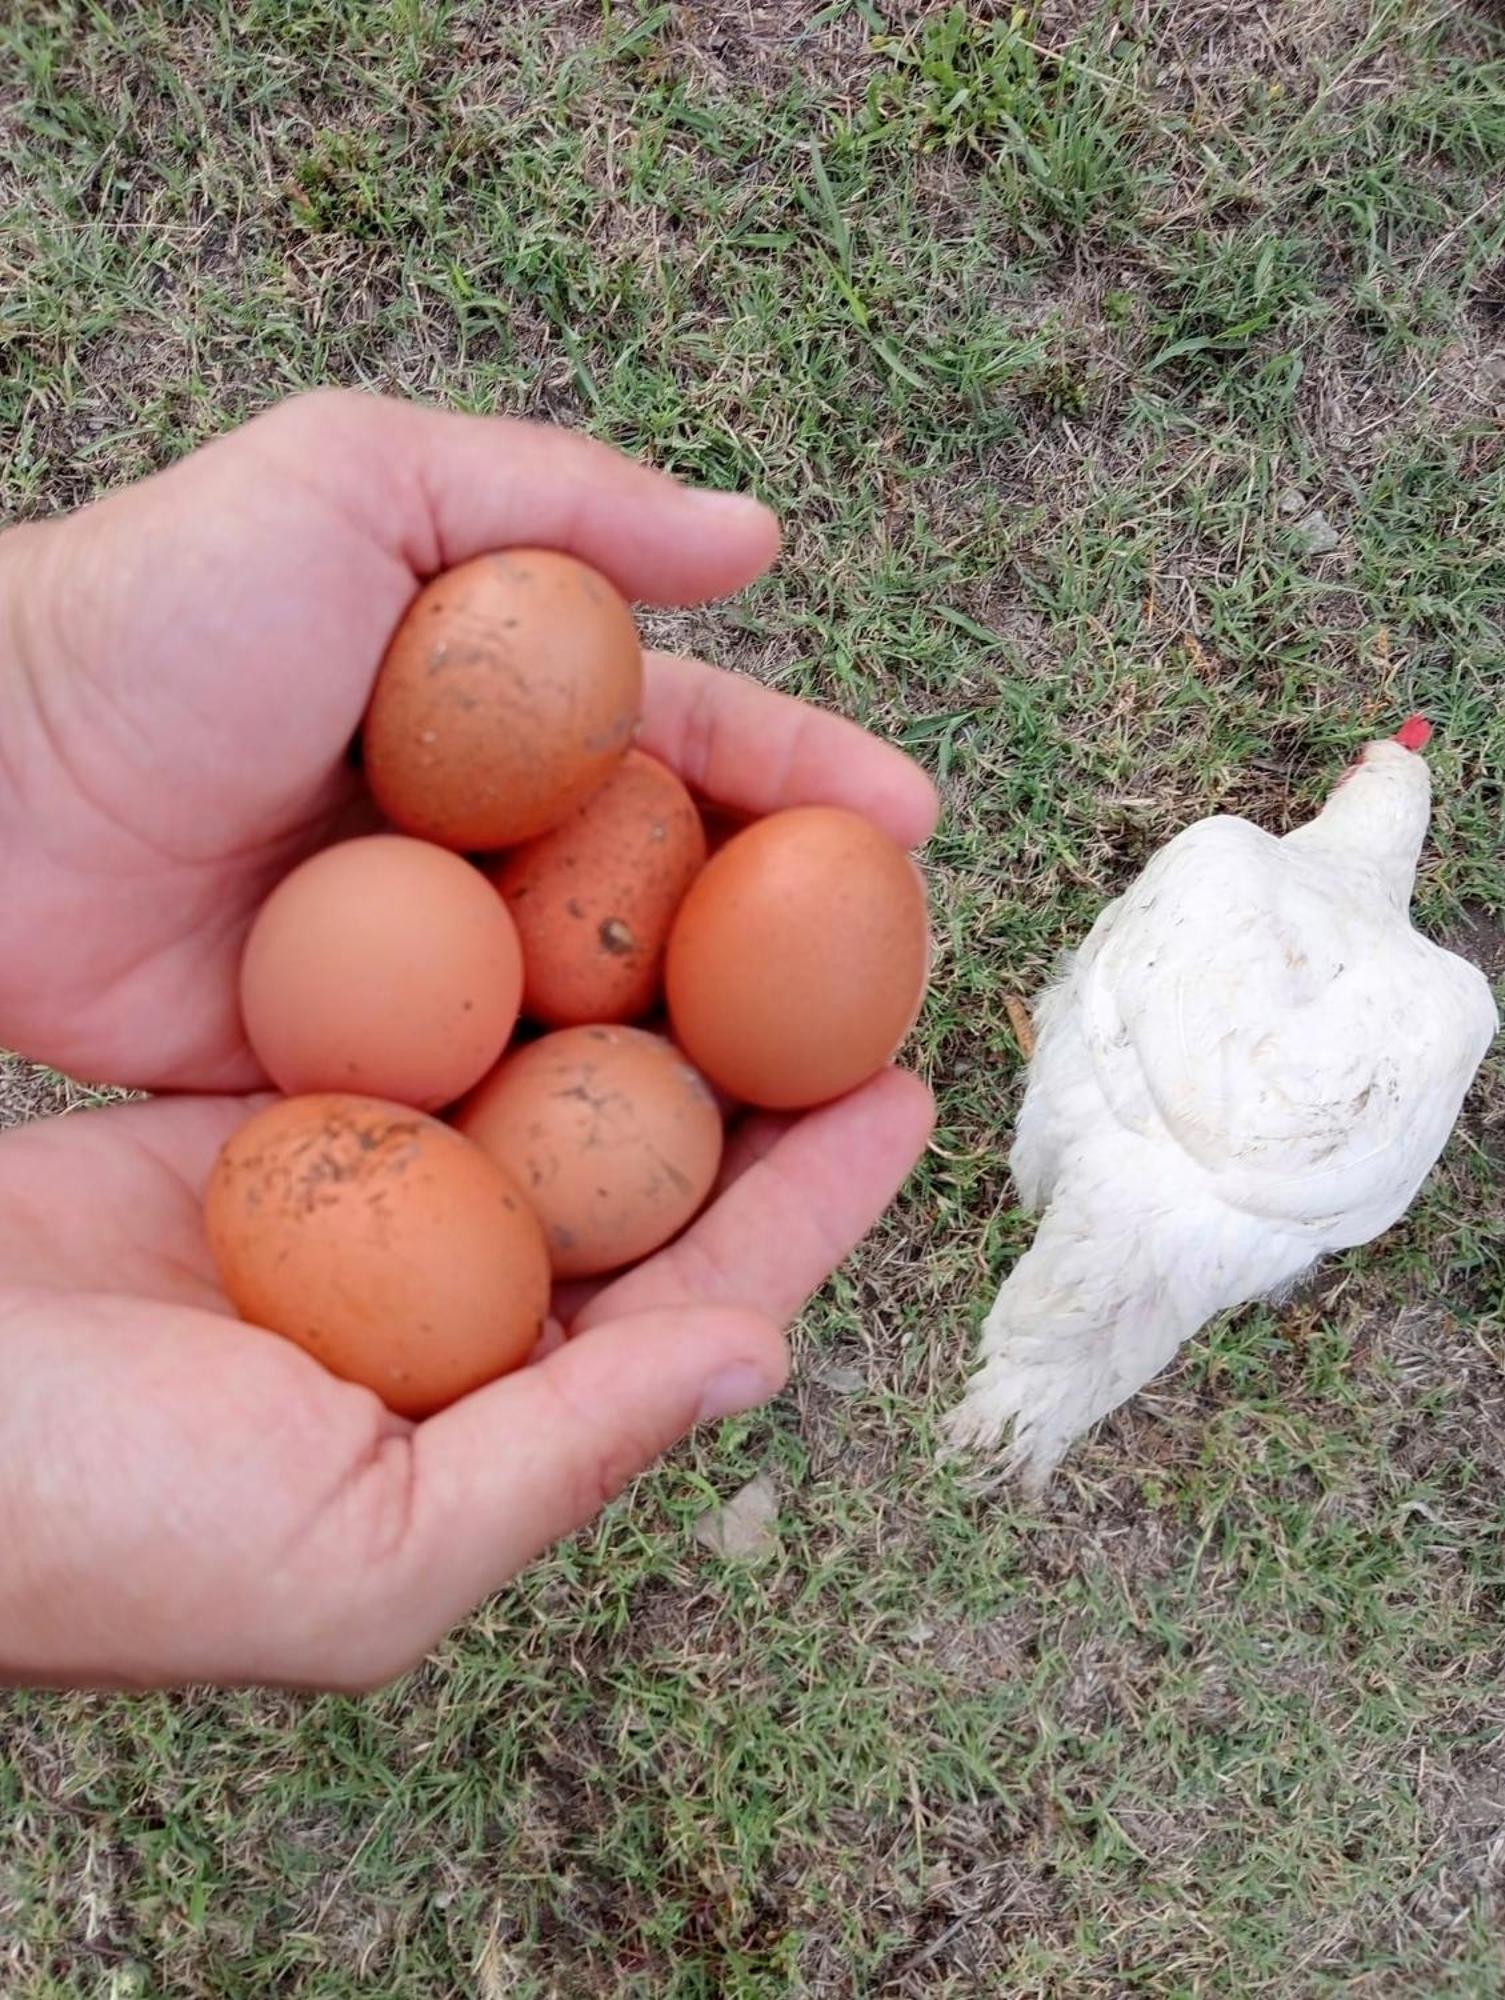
323, 410
701, 739
602, 1457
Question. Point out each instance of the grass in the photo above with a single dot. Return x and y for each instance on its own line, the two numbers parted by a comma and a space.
1042, 331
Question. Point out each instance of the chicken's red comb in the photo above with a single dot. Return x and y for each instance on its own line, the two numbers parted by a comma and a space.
1415, 733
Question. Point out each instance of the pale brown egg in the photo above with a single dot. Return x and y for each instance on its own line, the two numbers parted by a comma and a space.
612, 1136
797, 963
382, 1242
384, 966
594, 899
508, 695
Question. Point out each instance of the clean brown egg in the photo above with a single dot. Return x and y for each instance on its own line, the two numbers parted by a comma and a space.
382, 1242
798, 960
612, 1136
384, 966
594, 899
509, 693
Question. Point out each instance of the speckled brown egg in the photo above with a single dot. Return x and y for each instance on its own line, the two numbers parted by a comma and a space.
384, 966
383, 1243
508, 695
612, 1136
594, 899
798, 960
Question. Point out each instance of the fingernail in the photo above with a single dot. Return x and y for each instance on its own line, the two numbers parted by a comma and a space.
741, 1387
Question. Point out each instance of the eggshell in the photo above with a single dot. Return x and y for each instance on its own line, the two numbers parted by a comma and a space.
594, 899
385, 966
797, 963
382, 1242
509, 693
612, 1136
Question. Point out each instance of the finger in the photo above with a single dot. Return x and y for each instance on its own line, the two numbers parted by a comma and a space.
749, 1141
777, 1234
571, 1299
503, 1474
755, 751
550, 1340
447, 486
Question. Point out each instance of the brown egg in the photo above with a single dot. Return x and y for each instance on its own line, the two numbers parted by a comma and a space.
612, 1136
508, 694
594, 899
384, 966
383, 1243
797, 963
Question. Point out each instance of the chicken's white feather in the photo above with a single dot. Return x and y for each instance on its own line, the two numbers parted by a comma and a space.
1252, 1061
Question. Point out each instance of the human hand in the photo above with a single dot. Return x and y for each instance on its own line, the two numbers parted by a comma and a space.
182, 668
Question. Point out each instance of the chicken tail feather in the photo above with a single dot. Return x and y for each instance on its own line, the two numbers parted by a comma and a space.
1097, 1306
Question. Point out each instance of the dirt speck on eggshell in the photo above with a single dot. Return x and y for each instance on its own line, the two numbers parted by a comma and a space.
508, 694
593, 899
614, 1138
383, 1243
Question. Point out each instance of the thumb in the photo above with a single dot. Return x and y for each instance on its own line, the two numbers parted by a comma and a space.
511, 1469
437, 486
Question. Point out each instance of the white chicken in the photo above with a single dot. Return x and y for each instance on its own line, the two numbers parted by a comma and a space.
1253, 1061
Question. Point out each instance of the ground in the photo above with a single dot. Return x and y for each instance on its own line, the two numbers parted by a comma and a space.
1050, 334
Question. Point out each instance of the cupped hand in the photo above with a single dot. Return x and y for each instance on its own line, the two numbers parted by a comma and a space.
182, 669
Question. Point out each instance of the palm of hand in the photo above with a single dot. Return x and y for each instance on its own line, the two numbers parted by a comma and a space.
206, 698
188, 1461
189, 1496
